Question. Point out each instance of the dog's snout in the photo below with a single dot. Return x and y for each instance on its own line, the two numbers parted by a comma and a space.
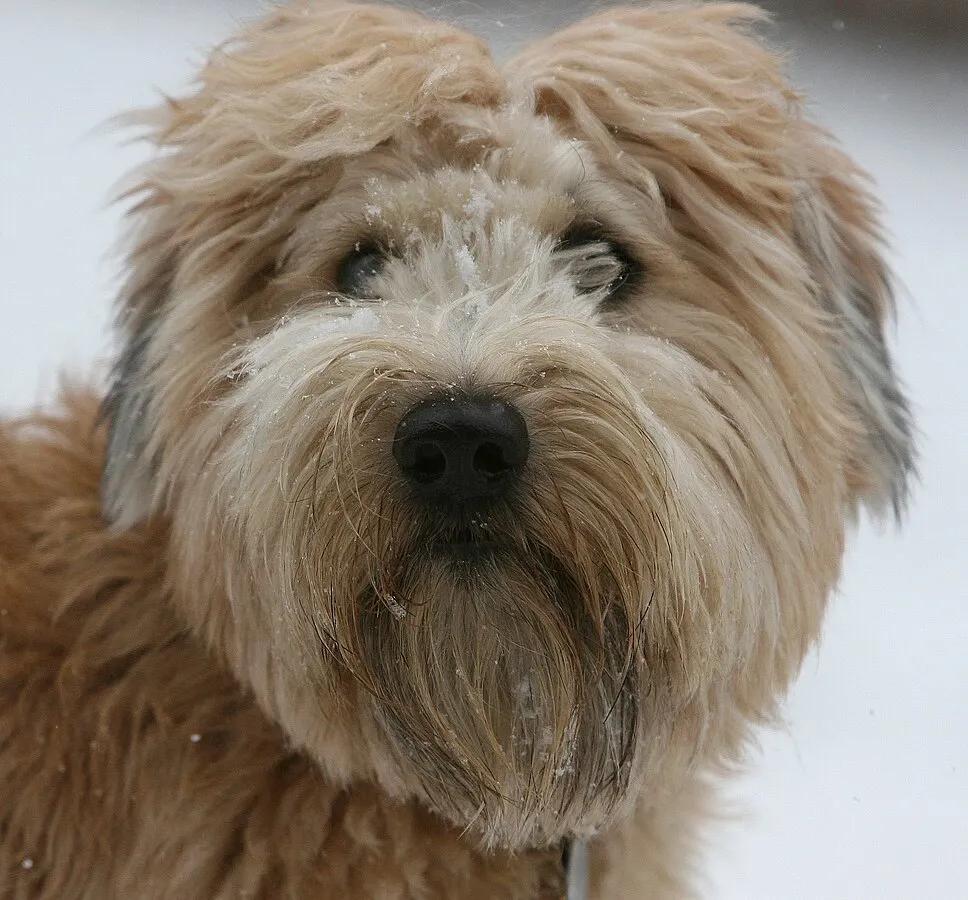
454, 450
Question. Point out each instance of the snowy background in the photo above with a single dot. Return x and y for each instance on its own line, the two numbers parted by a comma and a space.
865, 794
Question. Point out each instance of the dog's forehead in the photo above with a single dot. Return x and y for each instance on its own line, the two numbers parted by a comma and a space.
514, 167
509, 169
421, 207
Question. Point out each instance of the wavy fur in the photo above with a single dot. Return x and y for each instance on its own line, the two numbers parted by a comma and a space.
371, 719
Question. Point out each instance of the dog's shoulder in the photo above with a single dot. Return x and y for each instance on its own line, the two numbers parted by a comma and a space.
49, 461
49, 513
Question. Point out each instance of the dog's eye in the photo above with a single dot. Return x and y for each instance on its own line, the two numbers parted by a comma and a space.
598, 264
358, 269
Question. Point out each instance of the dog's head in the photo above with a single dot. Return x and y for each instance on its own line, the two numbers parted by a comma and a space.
507, 419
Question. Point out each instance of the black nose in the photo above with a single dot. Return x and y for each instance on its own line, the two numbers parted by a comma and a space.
455, 450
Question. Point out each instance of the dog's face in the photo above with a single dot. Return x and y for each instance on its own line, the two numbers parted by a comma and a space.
507, 421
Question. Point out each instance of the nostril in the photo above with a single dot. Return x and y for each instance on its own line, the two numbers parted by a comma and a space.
491, 461
429, 463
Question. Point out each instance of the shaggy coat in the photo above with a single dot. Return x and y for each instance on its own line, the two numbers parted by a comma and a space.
239, 657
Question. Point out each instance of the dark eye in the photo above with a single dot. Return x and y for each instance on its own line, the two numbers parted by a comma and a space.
358, 269
598, 264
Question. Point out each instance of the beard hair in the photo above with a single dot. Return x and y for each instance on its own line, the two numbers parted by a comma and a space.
515, 704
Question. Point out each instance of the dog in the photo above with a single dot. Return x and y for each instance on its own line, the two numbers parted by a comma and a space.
473, 475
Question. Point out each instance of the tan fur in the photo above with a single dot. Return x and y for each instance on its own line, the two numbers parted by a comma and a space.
368, 723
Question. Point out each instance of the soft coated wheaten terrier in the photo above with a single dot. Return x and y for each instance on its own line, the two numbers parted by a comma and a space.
474, 473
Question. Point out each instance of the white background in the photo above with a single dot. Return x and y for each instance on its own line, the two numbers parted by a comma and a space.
865, 794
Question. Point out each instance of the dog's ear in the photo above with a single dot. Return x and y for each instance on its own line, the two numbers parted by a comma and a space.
679, 100
685, 104
836, 227
128, 476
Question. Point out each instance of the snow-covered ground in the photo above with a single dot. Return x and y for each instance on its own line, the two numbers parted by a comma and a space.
866, 793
